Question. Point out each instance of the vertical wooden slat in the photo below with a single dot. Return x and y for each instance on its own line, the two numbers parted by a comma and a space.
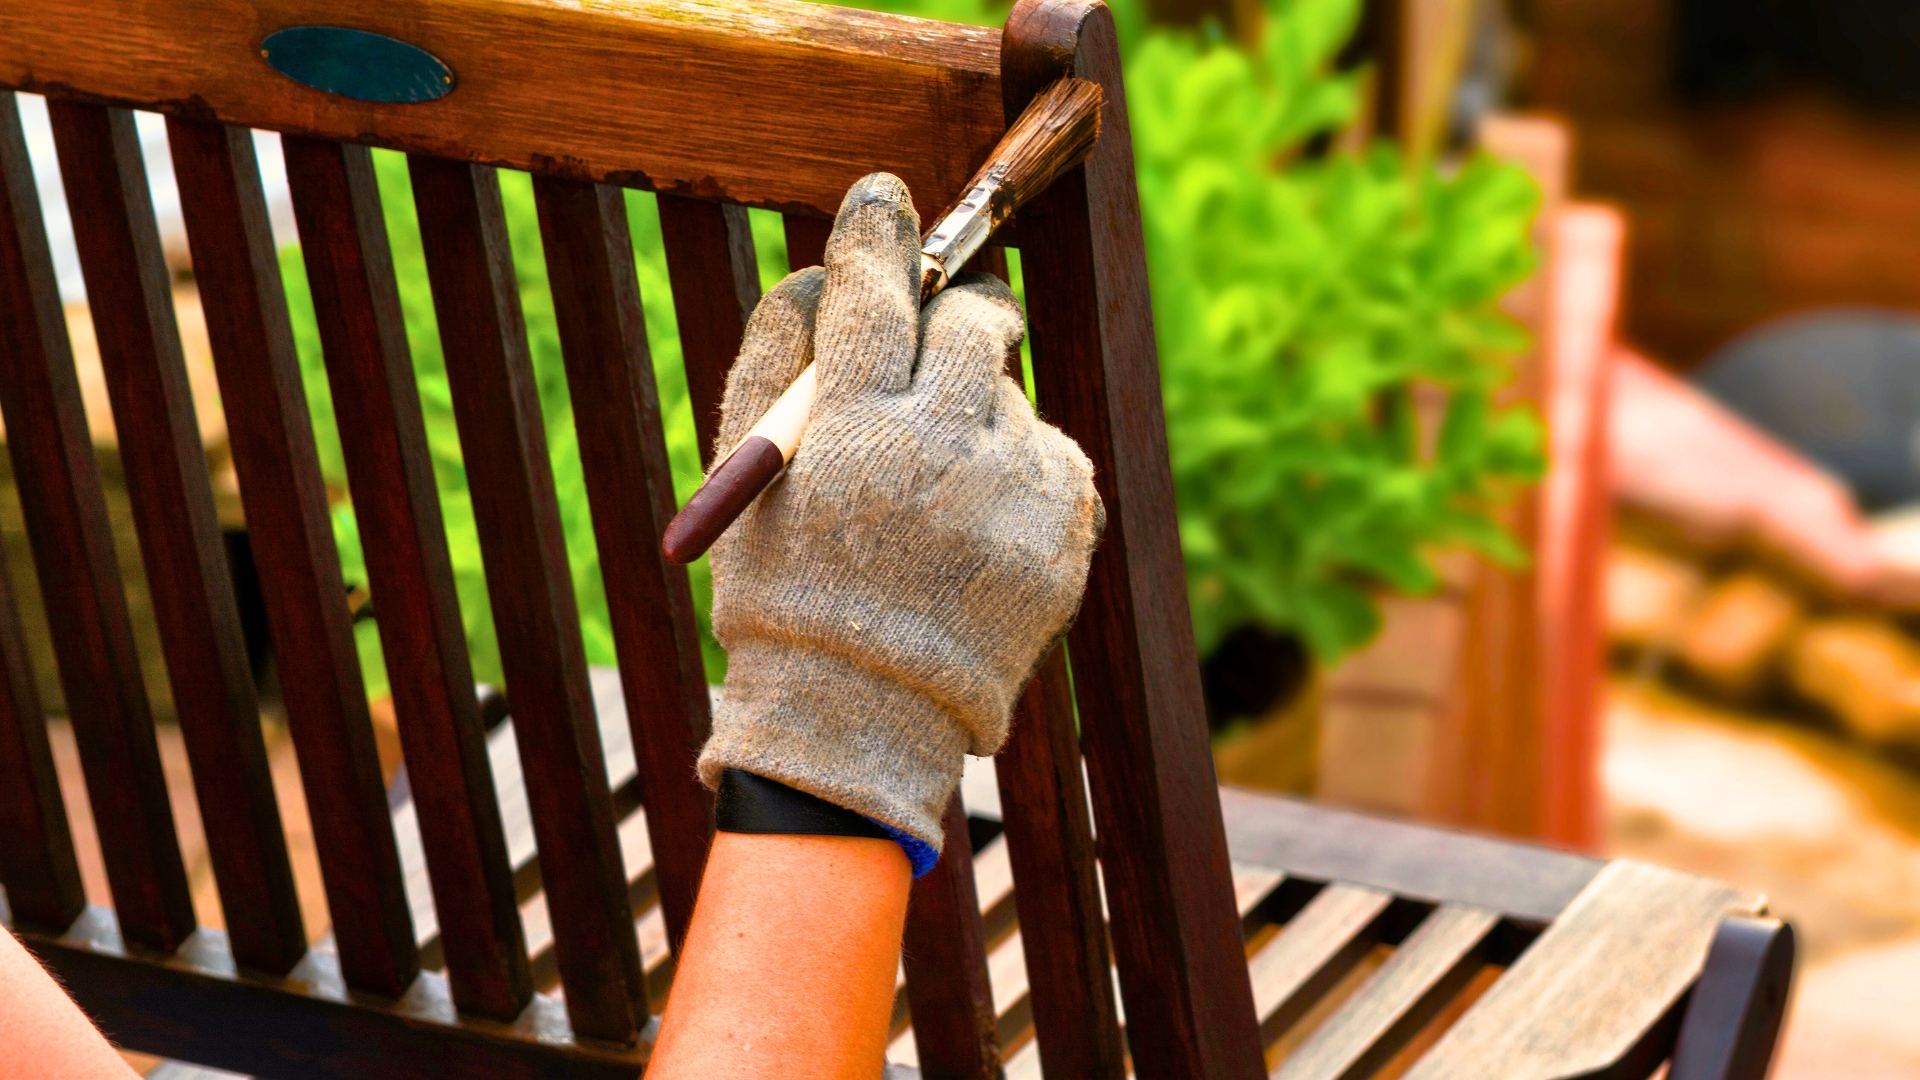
350, 271
496, 405
716, 284
623, 455
131, 299
955, 1031
1056, 885
1161, 840
287, 519
37, 864
66, 518
806, 240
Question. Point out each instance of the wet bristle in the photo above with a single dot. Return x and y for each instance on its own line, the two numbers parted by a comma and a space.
1055, 133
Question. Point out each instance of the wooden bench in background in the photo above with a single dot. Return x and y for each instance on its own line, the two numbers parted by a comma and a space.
1244, 933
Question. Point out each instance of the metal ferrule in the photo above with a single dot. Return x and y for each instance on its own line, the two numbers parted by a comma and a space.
958, 237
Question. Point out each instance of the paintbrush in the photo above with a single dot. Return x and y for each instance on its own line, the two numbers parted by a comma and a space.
1054, 134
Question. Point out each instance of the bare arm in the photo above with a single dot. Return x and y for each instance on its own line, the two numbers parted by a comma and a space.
789, 966
42, 1032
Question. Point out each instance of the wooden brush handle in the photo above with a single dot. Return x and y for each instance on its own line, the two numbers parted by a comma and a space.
1053, 135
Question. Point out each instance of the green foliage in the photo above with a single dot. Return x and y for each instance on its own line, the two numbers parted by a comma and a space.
1299, 302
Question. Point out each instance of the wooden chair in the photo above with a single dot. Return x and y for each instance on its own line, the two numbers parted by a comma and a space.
1245, 932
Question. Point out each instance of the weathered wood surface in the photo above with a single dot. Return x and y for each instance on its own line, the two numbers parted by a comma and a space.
291, 533
1312, 952
716, 98
1602, 976
66, 517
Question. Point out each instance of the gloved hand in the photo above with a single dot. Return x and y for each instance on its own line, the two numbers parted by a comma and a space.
884, 601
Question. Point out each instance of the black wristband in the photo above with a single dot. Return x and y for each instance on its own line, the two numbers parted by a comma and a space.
747, 803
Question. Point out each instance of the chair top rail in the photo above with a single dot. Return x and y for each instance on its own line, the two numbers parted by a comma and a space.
775, 103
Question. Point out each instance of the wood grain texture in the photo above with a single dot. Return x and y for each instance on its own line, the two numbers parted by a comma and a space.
305, 1026
806, 240
716, 285
271, 437
66, 519
1049, 841
37, 864
716, 98
496, 406
1421, 976
1587, 993
1733, 1016
130, 296
1531, 885
623, 454
955, 1030
1162, 845
377, 404
1318, 946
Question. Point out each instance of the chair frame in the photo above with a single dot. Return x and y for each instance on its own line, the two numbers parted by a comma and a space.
920, 99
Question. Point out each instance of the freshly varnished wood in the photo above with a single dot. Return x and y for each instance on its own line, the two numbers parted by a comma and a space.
1423, 974
1049, 840
716, 284
623, 454
350, 272
1318, 946
496, 405
1733, 1016
1162, 846
37, 864
806, 240
131, 300
955, 1030
305, 1026
66, 518
1592, 987
1530, 885
292, 537
714, 98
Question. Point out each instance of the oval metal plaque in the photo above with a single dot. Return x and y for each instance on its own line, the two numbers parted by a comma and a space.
357, 64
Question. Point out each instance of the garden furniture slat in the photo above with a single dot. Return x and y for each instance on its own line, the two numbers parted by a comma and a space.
397, 508
806, 240
66, 517
716, 283
616, 409
278, 465
955, 1030
496, 406
1314, 950
130, 295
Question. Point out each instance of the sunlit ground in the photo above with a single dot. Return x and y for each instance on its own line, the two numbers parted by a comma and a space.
1832, 835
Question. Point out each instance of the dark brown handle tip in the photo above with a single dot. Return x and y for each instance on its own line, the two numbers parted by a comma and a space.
732, 487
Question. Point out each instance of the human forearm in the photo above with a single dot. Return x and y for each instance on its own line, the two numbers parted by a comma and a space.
789, 965
42, 1032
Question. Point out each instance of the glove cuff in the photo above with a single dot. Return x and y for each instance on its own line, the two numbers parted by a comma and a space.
815, 722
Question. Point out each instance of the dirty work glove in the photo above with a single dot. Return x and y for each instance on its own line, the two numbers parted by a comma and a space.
885, 600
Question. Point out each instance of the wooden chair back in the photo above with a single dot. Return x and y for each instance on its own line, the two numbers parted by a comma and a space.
716, 106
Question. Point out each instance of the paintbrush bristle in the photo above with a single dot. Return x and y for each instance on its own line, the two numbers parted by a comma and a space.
1056, 132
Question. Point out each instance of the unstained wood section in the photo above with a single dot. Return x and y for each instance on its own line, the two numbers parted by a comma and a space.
777, 103
955, 1031
623, 455
131, 298
496, 405
1421, 976
1595, 983
1163, 848
288, 523
1311, 953
1049, 841
66, 518
377, 404
716, 284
